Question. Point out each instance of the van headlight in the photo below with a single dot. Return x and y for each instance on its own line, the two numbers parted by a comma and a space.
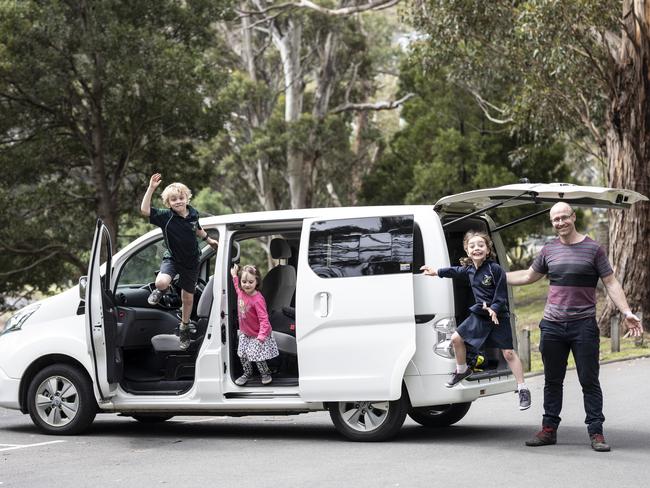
17, 320
444, 329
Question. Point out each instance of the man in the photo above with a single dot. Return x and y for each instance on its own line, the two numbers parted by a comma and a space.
574, 263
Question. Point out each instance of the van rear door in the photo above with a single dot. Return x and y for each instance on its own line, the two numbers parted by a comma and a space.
355, 324
539, 193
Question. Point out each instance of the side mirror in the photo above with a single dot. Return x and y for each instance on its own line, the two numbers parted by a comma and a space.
83, 284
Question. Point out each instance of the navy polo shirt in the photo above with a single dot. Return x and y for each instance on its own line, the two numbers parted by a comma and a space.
488, 283
179, 233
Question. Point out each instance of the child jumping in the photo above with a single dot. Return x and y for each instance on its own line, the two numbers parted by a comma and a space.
256, 344
489, 320
180, 225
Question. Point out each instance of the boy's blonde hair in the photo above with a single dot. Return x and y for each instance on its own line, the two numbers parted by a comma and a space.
175, 189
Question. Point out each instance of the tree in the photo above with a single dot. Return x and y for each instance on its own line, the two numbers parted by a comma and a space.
449, 146
575, 67
93, 97
302, 75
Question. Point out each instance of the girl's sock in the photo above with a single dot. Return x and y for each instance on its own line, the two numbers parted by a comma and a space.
521, 386
461, 368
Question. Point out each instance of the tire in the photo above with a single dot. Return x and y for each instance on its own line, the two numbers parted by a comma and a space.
146, 418
369, 421
439, 415
60, 400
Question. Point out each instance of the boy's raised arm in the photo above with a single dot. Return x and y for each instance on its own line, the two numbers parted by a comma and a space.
154, 182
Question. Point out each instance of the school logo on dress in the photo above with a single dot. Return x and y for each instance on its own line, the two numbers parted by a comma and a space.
487, 280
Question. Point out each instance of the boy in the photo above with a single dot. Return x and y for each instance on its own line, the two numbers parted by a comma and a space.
180, 225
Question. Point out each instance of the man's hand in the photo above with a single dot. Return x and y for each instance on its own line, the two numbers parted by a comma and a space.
429, 271
493, 314
633, 325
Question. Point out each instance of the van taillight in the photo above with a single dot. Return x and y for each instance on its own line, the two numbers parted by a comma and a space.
444, 329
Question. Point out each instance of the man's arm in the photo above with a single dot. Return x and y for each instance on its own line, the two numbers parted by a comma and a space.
616, 293
523, 277
145, 206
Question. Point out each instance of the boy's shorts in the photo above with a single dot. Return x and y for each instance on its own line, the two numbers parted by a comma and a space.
187, 277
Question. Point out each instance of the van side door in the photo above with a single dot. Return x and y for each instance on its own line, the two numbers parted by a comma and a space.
355, 324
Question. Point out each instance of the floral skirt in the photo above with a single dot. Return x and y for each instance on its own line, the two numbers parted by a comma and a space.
253, 350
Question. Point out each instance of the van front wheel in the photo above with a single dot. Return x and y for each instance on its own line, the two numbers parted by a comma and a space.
369, 421
439, 415
60, 400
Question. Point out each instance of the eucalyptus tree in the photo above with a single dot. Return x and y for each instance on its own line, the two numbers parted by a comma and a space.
304, 76
573, 66
94, 96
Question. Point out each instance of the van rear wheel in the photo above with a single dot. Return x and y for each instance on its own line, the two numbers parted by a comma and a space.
439, 415
369, 421
60, 400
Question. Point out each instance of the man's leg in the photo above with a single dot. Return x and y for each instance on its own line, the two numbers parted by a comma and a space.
555, 352
585, 350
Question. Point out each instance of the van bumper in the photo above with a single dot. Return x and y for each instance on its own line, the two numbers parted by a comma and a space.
425, 390
9, 391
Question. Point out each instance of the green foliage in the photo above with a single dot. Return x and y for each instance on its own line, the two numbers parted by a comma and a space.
448, 146
94, 97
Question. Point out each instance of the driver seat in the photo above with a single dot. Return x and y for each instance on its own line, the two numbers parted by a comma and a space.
163, 343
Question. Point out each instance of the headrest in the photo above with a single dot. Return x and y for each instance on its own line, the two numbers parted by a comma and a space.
280, 249
205, 302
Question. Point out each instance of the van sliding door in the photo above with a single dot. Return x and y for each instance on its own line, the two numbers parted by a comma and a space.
355, 324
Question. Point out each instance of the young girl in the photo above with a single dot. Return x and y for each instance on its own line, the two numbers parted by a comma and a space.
489, 320
255, 341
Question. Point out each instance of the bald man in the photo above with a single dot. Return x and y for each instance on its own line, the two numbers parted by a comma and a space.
574, 263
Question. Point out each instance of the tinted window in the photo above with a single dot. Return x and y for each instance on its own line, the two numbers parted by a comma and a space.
358, 247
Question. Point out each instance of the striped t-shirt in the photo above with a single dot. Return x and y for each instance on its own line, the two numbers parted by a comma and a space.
573, 271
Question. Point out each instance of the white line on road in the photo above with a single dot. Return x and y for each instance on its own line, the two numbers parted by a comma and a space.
18, 446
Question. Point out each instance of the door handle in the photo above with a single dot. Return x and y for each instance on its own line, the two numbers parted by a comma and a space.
324, 298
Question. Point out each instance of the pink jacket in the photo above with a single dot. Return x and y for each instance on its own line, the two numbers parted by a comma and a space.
253, 317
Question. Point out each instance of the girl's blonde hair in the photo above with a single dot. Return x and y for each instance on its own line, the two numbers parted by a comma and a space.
175, 189
466, 261
250, 269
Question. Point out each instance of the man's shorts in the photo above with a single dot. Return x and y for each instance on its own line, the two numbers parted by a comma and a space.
187, 277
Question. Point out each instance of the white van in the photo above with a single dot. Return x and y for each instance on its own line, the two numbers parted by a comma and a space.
361, 331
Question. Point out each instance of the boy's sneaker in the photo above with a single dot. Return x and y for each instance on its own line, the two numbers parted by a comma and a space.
458, 377
524, 399
598, 443
266, 379
242, 380
545, 437
184, 336
155, 297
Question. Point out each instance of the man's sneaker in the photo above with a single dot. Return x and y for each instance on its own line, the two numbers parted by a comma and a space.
266, 379
458, 377
155, 296
184, 336
545, 437
242, 380
524, 399
598, 443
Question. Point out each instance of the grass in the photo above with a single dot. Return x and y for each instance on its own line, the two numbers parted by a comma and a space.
529, 307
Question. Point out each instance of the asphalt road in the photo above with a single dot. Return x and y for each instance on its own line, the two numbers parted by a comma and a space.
483, 450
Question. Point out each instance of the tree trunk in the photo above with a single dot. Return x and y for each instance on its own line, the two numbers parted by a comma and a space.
628, 151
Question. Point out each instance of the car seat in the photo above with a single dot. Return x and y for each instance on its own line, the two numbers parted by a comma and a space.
179, 362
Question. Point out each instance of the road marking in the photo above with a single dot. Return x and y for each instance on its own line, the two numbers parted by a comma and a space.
19, 446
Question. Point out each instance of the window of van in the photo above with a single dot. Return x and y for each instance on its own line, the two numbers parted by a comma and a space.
362, 246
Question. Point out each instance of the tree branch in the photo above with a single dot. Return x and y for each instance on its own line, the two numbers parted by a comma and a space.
385, 105
306, 4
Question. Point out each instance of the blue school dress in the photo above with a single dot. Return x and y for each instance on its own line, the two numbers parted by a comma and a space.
489, 285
